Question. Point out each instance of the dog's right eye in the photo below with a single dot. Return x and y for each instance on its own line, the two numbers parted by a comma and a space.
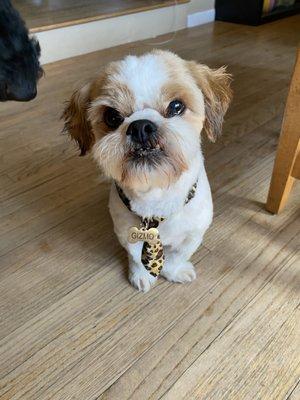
112, 118
176, 107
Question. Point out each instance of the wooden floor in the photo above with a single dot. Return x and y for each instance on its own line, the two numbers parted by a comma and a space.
44, 14
72, 327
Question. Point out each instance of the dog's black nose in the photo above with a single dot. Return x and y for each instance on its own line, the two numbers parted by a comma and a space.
20, 94
30, 95
24, 96
141, 130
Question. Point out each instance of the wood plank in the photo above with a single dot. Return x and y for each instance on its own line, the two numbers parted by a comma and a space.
294, 394
258, 345
197, 330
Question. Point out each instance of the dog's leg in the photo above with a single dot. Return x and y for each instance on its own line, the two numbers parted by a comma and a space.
177, 266
139, 277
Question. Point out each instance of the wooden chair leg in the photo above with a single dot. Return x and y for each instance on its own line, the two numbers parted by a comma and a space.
288, 147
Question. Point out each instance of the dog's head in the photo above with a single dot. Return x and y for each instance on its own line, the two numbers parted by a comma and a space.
142, 117
19, 58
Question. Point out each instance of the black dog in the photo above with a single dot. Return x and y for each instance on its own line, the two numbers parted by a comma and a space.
19, 57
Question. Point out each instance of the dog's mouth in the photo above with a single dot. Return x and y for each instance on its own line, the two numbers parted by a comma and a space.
149, 152
146, 151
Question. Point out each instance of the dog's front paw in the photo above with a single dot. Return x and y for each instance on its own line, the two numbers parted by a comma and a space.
141, 279
182, 273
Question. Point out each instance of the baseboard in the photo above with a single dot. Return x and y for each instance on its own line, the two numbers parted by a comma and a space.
201, 18
61, 43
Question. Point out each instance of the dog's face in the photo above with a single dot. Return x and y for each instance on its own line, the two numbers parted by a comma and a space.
20, 69
142, 117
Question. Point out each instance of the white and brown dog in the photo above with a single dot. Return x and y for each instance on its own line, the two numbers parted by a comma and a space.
141, 118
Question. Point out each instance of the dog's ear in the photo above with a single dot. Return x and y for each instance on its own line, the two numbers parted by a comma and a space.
75, 115
215, 86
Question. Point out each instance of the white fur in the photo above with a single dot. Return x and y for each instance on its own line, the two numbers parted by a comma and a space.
145, 76
182, 231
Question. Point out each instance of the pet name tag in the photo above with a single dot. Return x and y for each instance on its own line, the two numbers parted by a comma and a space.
143, 235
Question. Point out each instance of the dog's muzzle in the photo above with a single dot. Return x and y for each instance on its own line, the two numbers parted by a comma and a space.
144, 141
17, 94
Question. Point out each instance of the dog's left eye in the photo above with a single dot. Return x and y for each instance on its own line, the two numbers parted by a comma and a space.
112, 118
176, 107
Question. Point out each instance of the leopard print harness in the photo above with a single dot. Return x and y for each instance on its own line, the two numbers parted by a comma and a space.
152, 255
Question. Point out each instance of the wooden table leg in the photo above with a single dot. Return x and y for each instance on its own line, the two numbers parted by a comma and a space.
288, 147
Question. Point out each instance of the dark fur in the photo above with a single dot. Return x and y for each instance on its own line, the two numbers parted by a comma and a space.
19, 57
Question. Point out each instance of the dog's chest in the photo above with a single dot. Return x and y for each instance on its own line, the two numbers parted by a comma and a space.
171, 234
175, 228
181, 220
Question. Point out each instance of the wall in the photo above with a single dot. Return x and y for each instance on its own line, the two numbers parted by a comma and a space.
57, 44
200, 12
79, 39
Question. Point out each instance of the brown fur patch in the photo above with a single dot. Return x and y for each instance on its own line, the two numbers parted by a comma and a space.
83, 116
143, 178
75, 117
215, 86
177, 91
116, 92
119, 96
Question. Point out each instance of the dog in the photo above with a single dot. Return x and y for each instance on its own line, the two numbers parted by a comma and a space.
141, 119
20, 69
